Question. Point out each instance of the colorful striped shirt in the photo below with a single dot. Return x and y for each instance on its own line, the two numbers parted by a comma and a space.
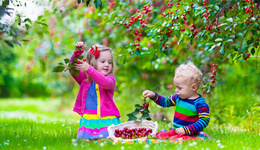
192, 115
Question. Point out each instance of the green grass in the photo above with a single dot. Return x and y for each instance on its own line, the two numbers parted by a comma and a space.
37, 124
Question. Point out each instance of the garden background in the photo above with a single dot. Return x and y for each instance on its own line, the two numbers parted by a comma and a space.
149, 39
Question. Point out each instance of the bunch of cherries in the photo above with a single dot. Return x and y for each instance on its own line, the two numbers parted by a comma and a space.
143, 106
79, 50
127, 133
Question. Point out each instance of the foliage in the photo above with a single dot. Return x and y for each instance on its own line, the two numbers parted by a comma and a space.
140, 109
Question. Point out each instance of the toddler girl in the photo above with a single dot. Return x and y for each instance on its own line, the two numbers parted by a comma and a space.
94, 101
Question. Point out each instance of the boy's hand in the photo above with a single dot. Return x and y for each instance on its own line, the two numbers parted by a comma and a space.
82, 65
149, 94
180, 131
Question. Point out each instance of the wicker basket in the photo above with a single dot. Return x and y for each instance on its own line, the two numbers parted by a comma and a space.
131, 125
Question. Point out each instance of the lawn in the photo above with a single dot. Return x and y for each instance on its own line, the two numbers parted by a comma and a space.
42, 124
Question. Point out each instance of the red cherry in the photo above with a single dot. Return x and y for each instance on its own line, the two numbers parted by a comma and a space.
84, 59
78, 62
212, 81
215, 72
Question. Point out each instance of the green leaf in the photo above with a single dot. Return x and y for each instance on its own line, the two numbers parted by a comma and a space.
87, 3
137, 106
240, 34
71, 65
230, 19
40, 17
66, 60
136, 112
131, 117
254, 32
9, 43
216, 8
221, 50
229, 40
145, 115
218, 39
81, 57
253, 51
74, 59
212, 48
27, 19
60, 63
27, 26
58, 69
42, 23
98, 3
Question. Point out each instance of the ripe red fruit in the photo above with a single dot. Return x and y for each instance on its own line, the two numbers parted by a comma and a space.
84, 59
78, 62
215, 72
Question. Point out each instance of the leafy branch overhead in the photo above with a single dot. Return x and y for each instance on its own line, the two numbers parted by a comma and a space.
98, 3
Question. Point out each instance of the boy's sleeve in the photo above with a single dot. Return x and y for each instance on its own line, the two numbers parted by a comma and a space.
81, 75
165, 101
203, 121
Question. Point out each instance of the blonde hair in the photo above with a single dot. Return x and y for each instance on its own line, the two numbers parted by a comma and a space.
90, 58
189, 71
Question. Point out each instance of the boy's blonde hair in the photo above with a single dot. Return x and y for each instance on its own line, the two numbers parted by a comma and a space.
190, 72
90, 58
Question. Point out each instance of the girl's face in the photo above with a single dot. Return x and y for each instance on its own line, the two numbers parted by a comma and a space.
183, 87
104, 62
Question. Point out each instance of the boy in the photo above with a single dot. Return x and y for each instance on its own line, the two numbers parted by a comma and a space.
192, 112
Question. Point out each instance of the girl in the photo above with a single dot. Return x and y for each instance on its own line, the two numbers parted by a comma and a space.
94, 101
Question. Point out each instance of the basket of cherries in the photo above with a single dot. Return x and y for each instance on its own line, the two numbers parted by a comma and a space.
136, 128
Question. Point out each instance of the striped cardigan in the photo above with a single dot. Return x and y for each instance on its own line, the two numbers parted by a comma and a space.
192, 115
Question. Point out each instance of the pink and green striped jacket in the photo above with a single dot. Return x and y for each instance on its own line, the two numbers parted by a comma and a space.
192, 115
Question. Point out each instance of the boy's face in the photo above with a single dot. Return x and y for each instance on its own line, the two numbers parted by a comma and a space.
183, 87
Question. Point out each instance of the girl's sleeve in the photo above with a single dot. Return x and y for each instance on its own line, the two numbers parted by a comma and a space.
165, 101
107, 82
203, 121
82, 76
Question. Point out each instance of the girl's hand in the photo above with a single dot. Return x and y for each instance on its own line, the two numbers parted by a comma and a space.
82, 66
180, 131
79, 44
149, 94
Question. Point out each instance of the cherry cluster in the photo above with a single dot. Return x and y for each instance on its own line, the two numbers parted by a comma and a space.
79, 50
128, 133
139, 16
143, 106
214, 73
247, 56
